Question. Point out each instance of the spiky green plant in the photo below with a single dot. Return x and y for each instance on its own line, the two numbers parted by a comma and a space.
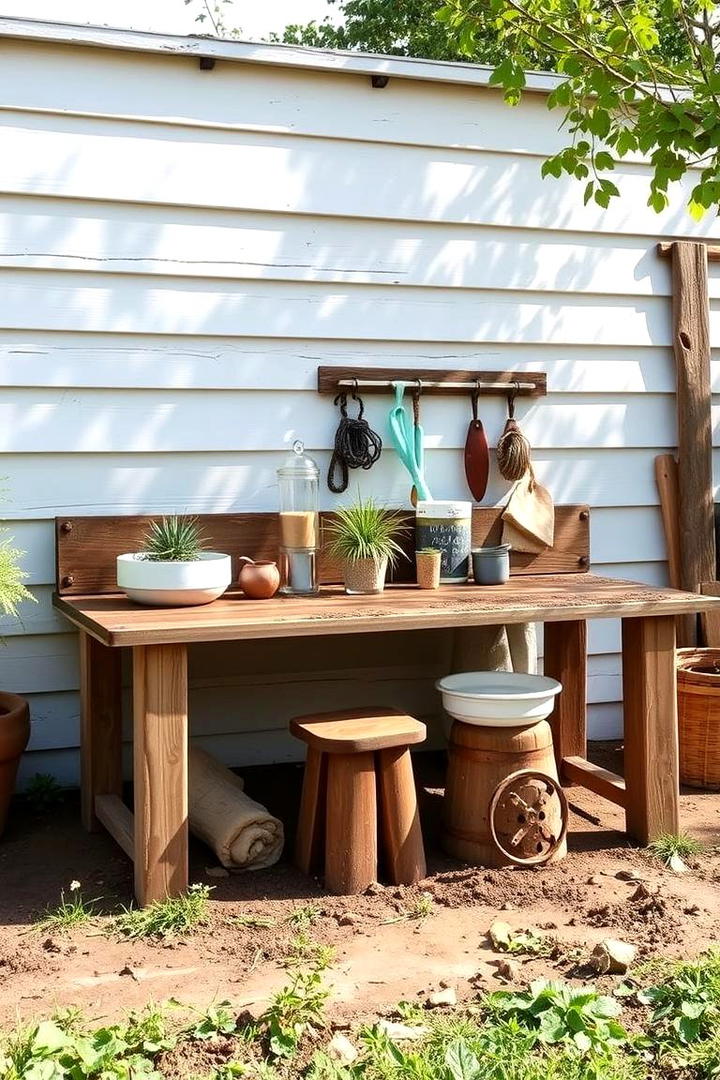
366, 531
12, 590
174, 539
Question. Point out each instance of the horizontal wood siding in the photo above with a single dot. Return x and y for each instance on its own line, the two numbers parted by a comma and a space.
180, 250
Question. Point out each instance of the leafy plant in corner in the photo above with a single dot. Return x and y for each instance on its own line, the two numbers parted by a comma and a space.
174, 539
561, 1013
43, 793
12, 591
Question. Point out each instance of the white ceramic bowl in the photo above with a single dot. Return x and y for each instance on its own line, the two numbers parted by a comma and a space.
498, 698
174, 584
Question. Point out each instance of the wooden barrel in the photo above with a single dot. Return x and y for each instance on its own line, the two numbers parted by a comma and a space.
698, 679
480, 758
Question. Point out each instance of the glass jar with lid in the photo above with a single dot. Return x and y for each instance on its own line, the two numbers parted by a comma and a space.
299, 524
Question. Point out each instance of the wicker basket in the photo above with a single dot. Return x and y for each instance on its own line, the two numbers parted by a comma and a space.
699, 717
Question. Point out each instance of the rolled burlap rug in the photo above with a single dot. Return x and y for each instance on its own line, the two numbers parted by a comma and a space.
241, 832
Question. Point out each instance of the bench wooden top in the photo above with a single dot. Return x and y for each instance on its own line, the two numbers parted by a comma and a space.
115, 620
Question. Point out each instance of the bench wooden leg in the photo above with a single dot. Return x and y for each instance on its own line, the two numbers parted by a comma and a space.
651, 735
402, 835
100, 725
160, 756
311, 819
565, 659
351, 829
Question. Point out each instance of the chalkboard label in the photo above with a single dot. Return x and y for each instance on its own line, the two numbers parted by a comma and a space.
452, 538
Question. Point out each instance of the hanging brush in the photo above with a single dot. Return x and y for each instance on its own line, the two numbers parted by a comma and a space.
513, 449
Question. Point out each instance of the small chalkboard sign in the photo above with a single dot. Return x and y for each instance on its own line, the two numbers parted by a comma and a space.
446, 527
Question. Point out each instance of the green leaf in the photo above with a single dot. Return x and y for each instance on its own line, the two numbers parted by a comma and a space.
582, 1041
461, 1062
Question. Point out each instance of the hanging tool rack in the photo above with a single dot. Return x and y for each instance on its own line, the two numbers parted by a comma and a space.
333, 380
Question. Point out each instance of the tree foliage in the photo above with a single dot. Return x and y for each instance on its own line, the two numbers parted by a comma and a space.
637, 77
394, 28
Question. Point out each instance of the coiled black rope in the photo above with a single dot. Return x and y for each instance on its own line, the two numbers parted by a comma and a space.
357, 446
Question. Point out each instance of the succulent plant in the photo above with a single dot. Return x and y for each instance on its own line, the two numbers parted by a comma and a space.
366, 531
174, 539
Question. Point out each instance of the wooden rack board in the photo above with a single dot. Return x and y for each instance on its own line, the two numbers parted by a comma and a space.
86, 547
328, 378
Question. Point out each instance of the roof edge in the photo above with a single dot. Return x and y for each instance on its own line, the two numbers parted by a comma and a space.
249, 52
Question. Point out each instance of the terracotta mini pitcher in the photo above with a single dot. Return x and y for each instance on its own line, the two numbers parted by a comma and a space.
258, 580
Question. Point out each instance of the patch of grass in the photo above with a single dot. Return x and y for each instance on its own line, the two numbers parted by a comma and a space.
166, 918
253, 922
72, 911
419, 910
671, 846
303, 951
304, 916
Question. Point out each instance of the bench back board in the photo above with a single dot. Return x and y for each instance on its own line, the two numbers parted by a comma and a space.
86, 547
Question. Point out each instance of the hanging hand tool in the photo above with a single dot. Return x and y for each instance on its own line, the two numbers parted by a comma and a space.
356, 444
477, 455
513, 449
403, 437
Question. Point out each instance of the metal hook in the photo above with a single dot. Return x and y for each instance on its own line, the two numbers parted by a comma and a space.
474, 396
511, 399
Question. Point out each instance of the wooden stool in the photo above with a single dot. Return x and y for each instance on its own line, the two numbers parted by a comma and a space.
353, 755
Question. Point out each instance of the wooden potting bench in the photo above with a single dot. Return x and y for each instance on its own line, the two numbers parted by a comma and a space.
554, 588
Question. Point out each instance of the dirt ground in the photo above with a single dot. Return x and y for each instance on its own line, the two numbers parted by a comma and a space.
384, 953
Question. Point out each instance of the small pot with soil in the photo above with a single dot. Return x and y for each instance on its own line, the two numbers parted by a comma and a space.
14, 735
427, 563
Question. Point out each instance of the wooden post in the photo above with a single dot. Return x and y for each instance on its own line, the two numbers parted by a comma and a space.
402, 834
651, 738
691, 342
100, 725
565, 659
309, 839
351, 831
160, 754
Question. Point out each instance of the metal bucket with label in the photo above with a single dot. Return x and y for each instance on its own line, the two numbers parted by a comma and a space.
446, 526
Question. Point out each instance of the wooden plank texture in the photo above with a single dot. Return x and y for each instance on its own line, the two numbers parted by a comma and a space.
112, 812
691, 340
577, 770
328, 378
86, 547
545, 598
565, 659
160, 771
651, 736
100, 725
710, 620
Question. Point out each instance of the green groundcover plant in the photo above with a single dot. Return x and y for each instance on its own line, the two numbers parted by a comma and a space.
549, 1031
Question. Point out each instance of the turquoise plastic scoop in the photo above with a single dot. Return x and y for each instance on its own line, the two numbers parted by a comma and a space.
408, 442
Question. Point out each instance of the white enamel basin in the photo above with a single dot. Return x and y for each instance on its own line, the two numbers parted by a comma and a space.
498, 698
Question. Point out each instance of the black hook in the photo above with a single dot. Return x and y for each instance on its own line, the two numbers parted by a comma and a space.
474, 396
511, 399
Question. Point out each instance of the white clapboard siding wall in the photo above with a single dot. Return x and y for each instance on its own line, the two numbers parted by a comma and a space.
180, 250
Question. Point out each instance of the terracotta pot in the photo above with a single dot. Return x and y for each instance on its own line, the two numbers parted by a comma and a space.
14, 735
428, 568
259, 580
364, 576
